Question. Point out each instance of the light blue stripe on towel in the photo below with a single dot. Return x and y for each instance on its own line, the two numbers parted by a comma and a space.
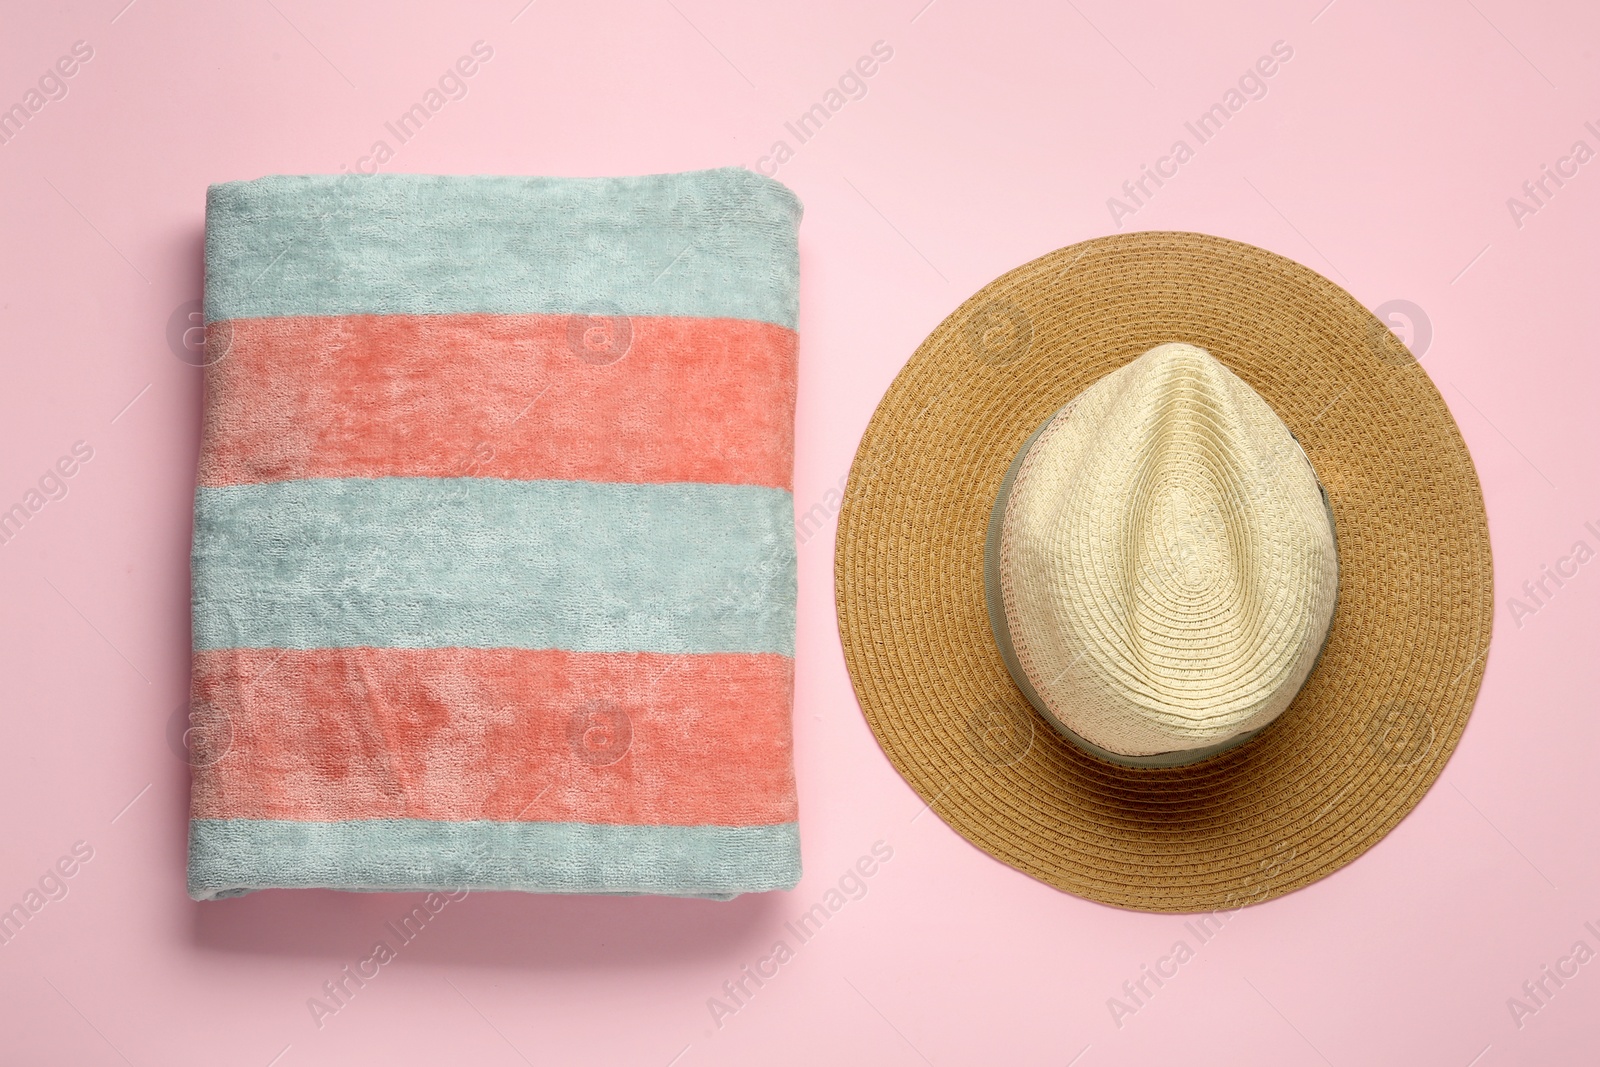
232, 856
710, 244
489, 563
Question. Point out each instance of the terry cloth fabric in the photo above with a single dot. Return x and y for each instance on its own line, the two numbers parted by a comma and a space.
494, 556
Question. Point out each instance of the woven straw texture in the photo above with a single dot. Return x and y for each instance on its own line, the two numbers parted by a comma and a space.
1377, 719
1167, 566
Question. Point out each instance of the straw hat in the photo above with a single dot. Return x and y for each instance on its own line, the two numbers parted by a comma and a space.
1163, 573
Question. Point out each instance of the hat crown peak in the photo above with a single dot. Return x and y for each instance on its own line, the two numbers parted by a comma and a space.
1167, 560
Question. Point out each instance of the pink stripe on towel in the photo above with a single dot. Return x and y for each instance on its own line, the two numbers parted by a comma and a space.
642, 399
498, 734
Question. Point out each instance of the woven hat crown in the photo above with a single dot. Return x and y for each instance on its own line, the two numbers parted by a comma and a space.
1166, 562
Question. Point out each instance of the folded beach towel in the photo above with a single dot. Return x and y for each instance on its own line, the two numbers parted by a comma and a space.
494, 558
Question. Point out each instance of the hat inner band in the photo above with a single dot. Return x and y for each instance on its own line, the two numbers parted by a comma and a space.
1001, 626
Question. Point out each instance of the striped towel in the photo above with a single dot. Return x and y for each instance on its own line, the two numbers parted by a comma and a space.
494, 558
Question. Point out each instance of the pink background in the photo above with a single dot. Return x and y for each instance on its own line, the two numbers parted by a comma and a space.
1383, 155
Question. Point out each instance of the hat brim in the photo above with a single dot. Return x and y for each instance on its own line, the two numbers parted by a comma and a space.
1377, 719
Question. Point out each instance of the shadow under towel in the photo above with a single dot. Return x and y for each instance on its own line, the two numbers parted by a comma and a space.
494, 553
